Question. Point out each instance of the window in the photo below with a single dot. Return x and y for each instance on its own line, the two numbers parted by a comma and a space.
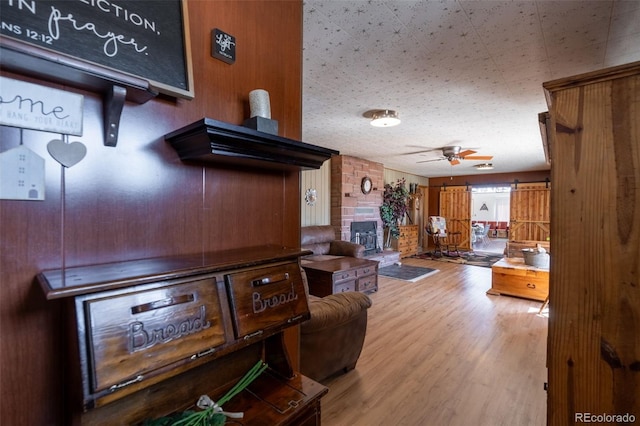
491, 203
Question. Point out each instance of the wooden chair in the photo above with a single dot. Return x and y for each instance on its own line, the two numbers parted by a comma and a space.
452, 240
493, 233
443, 241
544, 305
503, 230
437, 230
437, 240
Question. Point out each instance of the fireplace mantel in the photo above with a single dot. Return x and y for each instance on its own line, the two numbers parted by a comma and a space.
212, 141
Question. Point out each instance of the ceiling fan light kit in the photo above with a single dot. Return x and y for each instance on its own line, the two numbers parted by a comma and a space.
385, 118
484, 166
451, 152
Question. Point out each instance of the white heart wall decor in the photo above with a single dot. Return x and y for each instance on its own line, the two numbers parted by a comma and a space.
67, 154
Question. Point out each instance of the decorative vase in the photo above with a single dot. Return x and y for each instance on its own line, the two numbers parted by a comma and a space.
260, 103
260, 109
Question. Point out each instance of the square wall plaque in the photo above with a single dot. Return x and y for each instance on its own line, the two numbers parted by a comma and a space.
223, 46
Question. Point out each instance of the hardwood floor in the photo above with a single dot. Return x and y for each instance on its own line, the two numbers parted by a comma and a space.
442, 352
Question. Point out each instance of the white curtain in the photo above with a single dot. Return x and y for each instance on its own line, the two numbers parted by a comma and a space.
502, 209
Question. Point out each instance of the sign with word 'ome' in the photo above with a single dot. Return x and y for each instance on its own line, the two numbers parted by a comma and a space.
30, 106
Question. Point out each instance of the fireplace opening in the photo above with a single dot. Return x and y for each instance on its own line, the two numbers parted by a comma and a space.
365, 233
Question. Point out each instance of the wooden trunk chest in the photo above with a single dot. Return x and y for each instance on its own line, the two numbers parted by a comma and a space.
511, 277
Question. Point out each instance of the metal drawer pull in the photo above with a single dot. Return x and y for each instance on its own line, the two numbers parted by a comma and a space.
531, 285
252, 335
203, 353
270, 280
171, 301
290, 320
294, 403
127, 383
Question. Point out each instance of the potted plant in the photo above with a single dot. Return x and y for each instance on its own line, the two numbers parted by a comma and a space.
395, 201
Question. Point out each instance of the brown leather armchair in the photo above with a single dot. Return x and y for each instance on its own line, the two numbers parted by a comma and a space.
331, 341
321, 240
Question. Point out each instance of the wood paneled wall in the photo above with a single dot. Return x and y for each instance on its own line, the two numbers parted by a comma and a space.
139, 200
392, 176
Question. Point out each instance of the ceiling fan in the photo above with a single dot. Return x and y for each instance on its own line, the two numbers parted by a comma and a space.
454, 154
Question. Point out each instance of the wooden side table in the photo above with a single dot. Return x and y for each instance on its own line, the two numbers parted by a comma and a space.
512, 277
342, 274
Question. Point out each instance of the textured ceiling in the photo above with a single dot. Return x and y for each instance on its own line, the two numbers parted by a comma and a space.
465, 73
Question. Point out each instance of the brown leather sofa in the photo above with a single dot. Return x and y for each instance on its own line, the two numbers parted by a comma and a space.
321, 240
331, 341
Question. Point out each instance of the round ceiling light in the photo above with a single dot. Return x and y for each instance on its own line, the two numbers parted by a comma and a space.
385, 118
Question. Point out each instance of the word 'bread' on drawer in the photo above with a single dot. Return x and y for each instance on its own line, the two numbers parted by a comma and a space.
132, 334
265, 298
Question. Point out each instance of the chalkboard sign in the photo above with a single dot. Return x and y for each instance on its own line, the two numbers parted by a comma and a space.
146, 39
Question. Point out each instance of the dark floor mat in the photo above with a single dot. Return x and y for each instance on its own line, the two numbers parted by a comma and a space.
406, 272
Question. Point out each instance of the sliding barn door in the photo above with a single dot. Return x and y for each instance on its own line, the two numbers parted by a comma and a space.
530, 213
455, 207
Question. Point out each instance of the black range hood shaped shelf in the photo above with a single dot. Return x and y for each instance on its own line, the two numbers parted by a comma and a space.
211, 141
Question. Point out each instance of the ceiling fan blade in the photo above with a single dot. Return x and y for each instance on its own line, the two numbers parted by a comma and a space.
466, 152
423, 147
479, 157
454, 162
429, 161
422, 150
416, 152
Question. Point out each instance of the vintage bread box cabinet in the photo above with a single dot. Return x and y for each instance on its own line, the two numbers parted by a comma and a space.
148, 337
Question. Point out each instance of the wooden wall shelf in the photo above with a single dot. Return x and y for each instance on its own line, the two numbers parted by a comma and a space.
59, 68
212, 141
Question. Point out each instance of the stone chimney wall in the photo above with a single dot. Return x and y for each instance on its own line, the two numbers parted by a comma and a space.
348, 203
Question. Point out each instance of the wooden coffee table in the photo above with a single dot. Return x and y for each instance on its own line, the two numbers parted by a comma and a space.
341, 274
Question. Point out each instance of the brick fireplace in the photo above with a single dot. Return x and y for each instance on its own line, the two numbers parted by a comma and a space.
348, 203
366, 233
